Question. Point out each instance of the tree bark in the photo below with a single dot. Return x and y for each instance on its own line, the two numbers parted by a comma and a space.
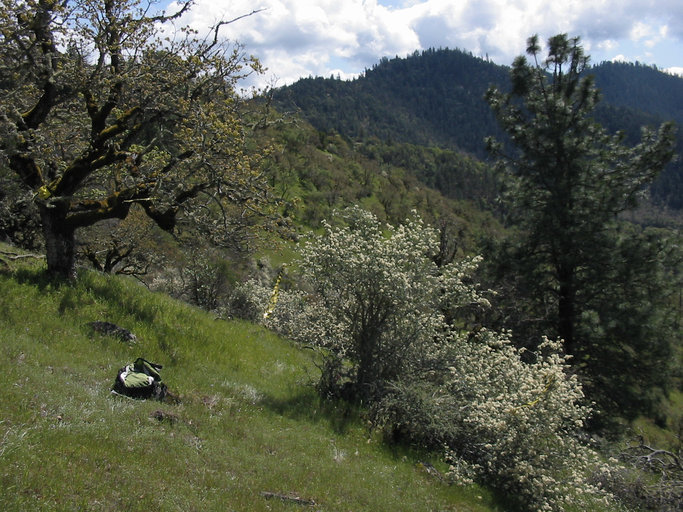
567, 311
60, 243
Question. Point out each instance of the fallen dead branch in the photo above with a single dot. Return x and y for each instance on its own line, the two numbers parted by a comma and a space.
289, 498
12, 256
15, 256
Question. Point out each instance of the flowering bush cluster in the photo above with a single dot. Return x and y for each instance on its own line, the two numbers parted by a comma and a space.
385, 316
376, 299
512, 423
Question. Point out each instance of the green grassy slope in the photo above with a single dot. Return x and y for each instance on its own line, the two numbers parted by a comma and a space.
248, 423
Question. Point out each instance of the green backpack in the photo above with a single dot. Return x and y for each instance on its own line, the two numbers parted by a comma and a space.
140, 379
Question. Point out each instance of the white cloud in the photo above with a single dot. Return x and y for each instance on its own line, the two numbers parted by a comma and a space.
675, 70
607, 45
296, 38
640, 31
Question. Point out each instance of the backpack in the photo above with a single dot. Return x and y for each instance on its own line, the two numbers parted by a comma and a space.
140, 379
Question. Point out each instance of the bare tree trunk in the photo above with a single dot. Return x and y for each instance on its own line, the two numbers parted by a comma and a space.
567, 311
60, 243
369, 372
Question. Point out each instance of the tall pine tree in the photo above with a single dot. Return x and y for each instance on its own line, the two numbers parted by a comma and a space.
567, 180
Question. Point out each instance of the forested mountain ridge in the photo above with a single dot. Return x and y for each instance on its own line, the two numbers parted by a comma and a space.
430, 98
651, 90
436, 98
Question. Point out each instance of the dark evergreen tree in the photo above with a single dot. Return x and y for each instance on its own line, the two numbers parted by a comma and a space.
567, 179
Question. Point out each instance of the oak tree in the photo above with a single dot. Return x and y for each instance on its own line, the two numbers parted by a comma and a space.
104, 105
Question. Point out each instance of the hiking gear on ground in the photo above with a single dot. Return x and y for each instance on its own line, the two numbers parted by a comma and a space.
140, 379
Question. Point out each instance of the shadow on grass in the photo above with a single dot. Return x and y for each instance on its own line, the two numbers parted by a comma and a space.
343, 416
40, 278
129, 303
72, 292
308, 406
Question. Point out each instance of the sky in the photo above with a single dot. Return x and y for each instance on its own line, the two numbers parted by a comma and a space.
299, 38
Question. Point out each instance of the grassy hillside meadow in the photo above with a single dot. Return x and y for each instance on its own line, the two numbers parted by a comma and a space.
248, 423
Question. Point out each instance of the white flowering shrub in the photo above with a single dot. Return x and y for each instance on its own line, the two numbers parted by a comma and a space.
379, 292
385, 316
511, 423
248, 300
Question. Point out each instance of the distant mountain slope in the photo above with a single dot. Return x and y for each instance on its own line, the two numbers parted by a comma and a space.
641, 87
436, 98
430, 98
